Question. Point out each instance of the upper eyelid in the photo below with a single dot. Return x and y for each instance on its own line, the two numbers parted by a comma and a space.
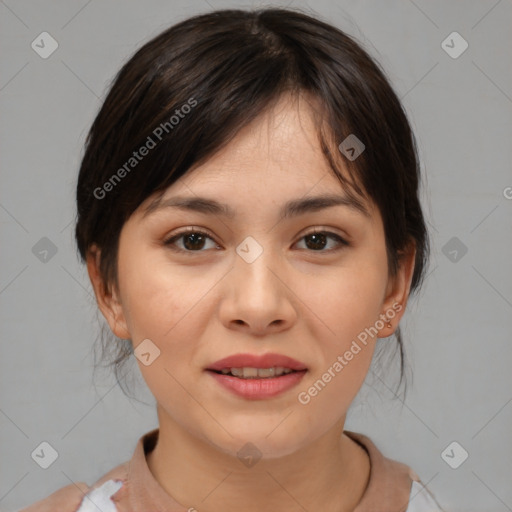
185, 231
176, 236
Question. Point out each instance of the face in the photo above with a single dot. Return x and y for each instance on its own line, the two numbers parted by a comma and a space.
303, 286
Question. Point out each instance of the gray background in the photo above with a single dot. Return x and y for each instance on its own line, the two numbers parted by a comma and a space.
457, 330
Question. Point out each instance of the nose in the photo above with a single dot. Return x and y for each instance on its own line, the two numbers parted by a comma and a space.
257, 298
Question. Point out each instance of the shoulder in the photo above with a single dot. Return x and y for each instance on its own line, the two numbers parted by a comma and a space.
392, 485
80, 497
421, 499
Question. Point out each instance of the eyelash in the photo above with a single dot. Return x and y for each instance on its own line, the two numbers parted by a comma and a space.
170, 241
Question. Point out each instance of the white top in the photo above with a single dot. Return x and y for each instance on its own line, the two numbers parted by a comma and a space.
420, 499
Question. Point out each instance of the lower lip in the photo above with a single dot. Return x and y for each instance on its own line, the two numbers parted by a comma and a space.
258, 389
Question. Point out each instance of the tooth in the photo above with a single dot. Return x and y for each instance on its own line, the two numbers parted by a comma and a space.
254, 373
266, 372
250, 372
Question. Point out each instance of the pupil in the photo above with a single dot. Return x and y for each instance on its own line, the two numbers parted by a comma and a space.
198, 241
317, 236
197, 238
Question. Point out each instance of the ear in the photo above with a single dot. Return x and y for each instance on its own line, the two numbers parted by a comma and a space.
108, 302
397, 292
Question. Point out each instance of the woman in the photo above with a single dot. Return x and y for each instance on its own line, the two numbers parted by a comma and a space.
248, 212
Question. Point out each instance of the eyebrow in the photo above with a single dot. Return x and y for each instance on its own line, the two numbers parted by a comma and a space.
290, 209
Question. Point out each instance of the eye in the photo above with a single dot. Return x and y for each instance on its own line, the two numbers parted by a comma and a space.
317, 241
193, 239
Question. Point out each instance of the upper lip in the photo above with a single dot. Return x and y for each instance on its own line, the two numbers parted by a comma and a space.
269, 360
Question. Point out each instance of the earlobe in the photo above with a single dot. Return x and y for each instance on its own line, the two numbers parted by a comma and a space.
398, 291
108, 302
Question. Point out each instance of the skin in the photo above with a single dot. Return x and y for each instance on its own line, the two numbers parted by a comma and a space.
294, 299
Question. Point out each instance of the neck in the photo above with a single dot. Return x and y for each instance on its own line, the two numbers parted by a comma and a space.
330, 474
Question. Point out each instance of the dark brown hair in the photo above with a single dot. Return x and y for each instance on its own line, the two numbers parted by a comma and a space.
192, 87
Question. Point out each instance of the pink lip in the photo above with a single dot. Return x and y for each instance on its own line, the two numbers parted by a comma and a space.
258, 389
253, 361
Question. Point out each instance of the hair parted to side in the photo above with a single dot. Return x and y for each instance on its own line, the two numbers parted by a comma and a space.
231, 66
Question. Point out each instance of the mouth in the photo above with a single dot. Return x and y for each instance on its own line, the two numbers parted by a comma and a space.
257, 377
250, 366
256, 373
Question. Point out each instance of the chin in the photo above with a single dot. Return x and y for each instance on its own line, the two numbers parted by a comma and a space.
262, 440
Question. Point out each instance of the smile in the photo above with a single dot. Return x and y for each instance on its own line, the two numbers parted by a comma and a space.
256, 373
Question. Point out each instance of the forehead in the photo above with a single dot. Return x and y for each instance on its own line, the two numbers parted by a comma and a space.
279, 148
284, 136
276, 159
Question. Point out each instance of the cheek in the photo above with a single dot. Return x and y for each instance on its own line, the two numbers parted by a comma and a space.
156, 297
163, 306
344, 302
346, 305
168, 306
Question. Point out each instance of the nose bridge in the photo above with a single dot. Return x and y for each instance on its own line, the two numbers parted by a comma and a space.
256, 295
255, 265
